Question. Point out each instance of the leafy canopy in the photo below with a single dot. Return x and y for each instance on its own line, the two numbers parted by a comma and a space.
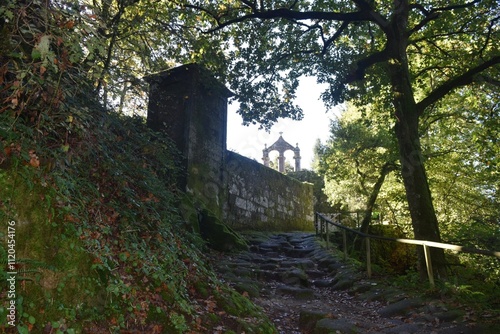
271, 44
354, 157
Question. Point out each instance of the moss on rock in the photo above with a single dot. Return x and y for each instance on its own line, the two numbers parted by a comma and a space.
218, 235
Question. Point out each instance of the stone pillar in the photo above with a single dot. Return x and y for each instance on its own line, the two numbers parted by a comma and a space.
297, 157
281, 162
189, 105
265, 156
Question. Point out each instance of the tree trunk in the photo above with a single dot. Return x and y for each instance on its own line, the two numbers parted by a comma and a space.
386, 169
418, 194
423, 216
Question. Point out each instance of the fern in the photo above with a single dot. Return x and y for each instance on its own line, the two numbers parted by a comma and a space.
26, 268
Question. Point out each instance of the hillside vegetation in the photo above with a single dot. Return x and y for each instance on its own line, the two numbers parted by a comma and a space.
100, 245
88, 197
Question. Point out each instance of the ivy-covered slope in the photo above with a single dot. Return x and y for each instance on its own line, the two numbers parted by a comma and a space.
100, 245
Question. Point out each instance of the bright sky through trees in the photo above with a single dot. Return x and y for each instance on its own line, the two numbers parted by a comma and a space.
249, 140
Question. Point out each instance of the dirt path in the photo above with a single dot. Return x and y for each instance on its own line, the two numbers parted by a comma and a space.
304, 289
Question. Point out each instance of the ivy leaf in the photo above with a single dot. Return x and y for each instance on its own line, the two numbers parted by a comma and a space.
43, 46
22, 329
35, 54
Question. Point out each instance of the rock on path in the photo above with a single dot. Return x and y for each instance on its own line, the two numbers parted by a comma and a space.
304, 289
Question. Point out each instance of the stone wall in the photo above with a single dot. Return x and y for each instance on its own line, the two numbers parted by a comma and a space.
261, 198
191, 107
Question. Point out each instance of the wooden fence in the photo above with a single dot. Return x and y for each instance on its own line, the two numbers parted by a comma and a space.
322, 222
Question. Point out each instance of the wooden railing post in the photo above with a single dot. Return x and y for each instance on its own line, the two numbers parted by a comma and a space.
327, 235
428, 263
368, 258
344, 239
322, 226
316, 223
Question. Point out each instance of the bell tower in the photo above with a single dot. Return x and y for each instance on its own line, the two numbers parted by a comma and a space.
282, 146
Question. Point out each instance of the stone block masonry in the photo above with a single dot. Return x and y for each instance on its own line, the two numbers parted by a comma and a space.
191, 107
259, 198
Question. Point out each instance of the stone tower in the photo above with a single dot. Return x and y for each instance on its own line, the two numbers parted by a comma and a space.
189, 105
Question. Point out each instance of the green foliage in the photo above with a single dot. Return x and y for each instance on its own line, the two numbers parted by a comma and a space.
50, 49
462, 151
393, 257
100, 243
482, 235
39, 54
53, 270
345, 44
411, 280
465, 290
464, 184
99, 189
359, 153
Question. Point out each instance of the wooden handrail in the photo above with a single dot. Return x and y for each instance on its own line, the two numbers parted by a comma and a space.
320, 219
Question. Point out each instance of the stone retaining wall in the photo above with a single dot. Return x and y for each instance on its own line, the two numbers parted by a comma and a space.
260, 198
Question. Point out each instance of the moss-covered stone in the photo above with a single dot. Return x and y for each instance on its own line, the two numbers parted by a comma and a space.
309, 318
189, 213
262, 199
218, 235
330, 326
202, 221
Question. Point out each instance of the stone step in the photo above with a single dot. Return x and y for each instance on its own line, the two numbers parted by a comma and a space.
294, 267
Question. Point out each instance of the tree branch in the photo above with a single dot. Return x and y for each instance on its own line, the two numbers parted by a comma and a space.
488, 79
328, 42
421, 24
434, 13
363, 64
462, 80
453, 7
488, 36
367, 7
284, 13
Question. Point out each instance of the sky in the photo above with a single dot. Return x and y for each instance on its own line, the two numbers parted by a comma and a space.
249, 141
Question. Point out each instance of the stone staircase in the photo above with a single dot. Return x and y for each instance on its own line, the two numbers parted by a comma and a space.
304, 288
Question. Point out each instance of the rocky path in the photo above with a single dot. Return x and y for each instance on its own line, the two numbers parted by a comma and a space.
304, 289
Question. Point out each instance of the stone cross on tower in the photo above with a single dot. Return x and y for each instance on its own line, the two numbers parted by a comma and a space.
282, 146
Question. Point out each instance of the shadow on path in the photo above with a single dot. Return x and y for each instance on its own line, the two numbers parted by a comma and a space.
303, 288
